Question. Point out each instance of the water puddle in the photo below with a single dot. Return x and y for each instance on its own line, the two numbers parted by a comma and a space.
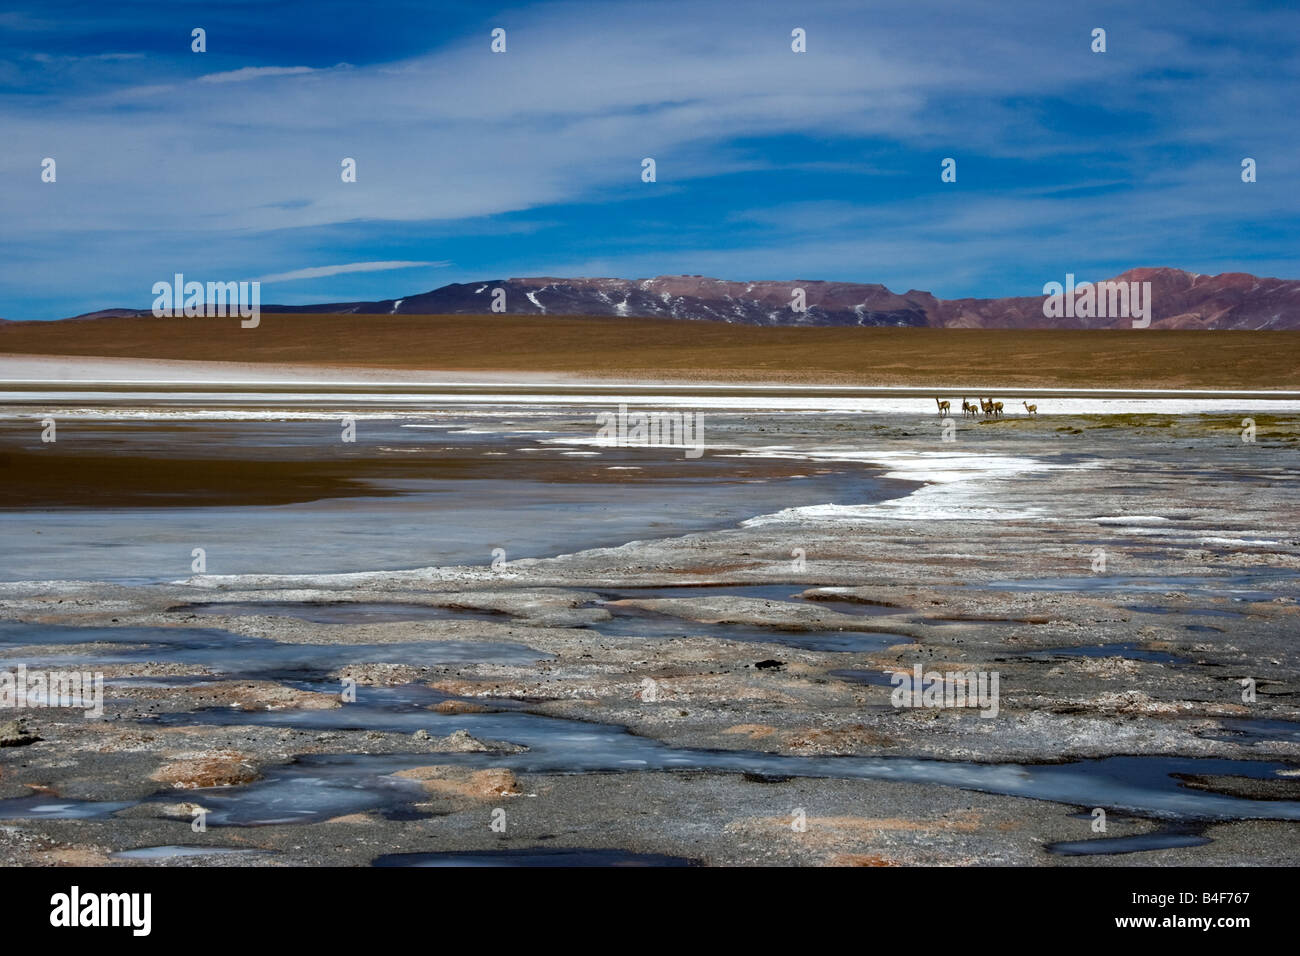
1128, 651
52, 808
1258, 730
639, 622
950, 621
318, 787
534, 857
873, 678
237, 655
176, 852
1206, 612
1240, 587
778, 593
341, 612
1138, 843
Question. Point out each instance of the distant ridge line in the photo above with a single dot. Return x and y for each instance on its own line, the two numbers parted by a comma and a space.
1179, 300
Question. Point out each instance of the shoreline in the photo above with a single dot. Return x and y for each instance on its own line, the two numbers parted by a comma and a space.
56, 374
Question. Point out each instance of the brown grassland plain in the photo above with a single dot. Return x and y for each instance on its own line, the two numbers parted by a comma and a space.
680, 350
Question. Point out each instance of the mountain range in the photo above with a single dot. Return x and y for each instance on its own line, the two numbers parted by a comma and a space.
1179, 300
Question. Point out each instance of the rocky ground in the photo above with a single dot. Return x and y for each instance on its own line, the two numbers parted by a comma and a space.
1166, 538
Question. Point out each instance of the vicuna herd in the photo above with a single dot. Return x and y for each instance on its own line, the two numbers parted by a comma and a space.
987, 406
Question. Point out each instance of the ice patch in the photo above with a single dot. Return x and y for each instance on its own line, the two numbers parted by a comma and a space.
957, 487
933, 467
1239, 541
1132, 520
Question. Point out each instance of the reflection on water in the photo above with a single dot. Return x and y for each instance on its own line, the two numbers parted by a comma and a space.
341, 612
1122, 649
290, 497
1138, 843
238, 655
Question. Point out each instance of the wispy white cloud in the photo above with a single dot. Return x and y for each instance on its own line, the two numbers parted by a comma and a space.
97, 57
151, 177
254, 73
321, 272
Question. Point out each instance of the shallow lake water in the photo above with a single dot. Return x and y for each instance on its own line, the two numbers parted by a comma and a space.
400, 497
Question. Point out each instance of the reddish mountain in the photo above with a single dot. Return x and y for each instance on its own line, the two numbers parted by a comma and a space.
1179, 300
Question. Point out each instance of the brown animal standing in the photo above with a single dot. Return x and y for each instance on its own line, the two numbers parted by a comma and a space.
967, 408
1031, 409
997, 409
944, 407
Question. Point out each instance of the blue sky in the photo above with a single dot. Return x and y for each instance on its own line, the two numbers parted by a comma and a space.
471, 165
